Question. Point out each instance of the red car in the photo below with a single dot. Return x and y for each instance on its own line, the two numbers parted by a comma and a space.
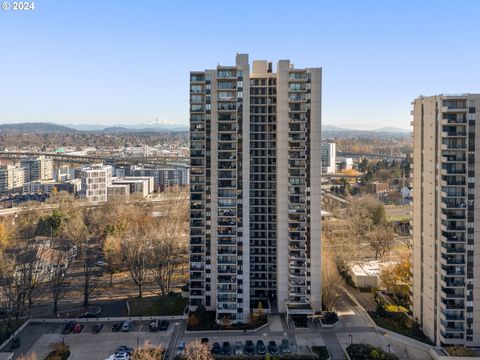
77, 328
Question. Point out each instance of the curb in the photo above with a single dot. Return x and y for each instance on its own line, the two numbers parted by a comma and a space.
192, 332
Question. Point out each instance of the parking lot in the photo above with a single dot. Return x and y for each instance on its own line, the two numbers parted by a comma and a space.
88, 346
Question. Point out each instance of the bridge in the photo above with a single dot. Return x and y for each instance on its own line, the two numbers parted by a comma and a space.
372, 156
91, 159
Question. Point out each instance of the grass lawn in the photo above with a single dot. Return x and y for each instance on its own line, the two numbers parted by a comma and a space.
172, 304
321, 351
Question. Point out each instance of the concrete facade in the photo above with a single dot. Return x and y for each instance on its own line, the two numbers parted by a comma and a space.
329, 159
95, 180
255, 188
12, 178
38, 168
446, 257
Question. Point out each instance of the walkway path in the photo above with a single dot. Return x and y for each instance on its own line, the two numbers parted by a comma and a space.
333, 346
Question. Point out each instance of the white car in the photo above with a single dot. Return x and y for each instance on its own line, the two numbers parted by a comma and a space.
181, 348
122, 356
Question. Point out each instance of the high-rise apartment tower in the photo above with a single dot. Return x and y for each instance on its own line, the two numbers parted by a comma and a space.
255, 188
446, 220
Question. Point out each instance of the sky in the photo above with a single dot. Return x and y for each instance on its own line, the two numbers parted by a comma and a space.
128, 62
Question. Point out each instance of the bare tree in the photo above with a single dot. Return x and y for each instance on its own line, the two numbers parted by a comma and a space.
12, 293
136, 250
32, 274
170, 252
197, 351
89, 275
148, 352
112, 251
381, 240
331, 282
57, 285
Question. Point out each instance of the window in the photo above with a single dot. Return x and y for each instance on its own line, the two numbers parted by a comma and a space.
196, 88
197, 98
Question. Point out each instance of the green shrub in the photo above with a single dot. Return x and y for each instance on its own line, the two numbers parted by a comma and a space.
368, 352
321, 351
329, 317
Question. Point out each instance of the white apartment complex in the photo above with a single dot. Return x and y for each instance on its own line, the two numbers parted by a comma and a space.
12, 178
329, 159
38, 168
95, 181
446, 220
255, 218
138, 185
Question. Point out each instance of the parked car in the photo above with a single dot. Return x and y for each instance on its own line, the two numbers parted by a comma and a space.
153, 326
261, 349
216, 349
226, 348
127, 325
249, 347
121, 356
272, 348
78, 328
88, 315
164, 325
97, 328
181, 348
116, 326
68, 328
124, 349
285, 347
238, 348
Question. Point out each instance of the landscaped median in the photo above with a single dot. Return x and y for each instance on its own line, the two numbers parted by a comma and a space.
399, 322
321, 352
59, 352
368, 352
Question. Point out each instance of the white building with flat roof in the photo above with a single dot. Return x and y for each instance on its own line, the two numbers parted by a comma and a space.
329, 162
95, 181
12, 178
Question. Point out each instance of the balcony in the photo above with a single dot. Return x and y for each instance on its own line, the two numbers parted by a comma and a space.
227, 106
452, 260
450, 170
454, 158
448, 326
297, 264
227, 270
295, 273
453, 146
455, 283
448, 293
452, 249
227, 307
452, 304
446, 270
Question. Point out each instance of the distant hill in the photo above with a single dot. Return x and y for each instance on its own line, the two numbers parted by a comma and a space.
37, 127
120, 129
386, 129
390, 129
